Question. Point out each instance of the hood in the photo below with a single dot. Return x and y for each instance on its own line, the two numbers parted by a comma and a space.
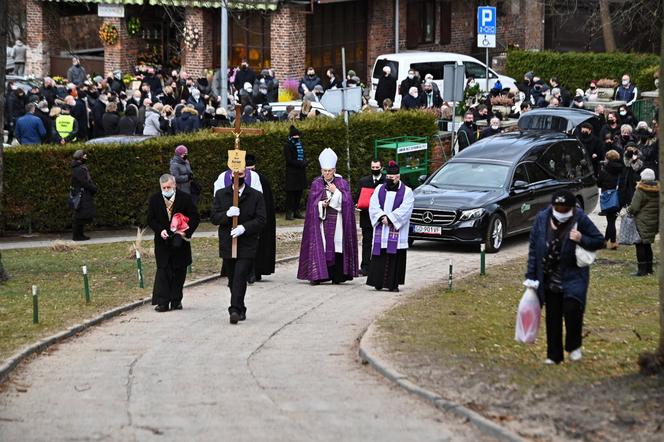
427, 196
187, 112
648, 186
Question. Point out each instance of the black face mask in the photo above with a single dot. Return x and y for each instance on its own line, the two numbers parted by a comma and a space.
184, 157
390, 184
375, 173
240, 182
468, 123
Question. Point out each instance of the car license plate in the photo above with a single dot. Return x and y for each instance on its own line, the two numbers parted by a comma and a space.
428, 230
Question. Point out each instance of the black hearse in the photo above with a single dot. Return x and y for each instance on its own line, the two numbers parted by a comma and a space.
496, 187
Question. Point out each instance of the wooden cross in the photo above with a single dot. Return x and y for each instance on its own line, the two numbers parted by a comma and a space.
236, 161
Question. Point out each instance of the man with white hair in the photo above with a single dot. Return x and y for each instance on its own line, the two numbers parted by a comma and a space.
627, 91
493, 128
49, 91
412, 100
387, 86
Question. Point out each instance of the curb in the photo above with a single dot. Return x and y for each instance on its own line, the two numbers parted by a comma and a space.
10, 364
368, 355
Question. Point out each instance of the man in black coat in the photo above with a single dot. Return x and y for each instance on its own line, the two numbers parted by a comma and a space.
251, 222
267, 246
244, 75
296, 173
368, 182
386, 88
82, 184
410, 81
467, 133
172, 250
592, 144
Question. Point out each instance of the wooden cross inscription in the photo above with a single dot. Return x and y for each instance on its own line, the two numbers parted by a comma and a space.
236, 160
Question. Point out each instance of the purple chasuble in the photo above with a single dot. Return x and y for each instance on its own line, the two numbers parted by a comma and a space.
393, 236
228, 178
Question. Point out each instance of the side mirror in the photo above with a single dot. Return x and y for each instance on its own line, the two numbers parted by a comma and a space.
422, 179
519, 185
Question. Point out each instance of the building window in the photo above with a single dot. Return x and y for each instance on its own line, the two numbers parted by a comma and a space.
421, 22
248, 38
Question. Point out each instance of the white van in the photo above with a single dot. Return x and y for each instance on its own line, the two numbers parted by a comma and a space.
432, 63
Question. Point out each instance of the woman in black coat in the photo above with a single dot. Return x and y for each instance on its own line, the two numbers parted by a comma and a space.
296, 173
172, 250
609, 179
110, 119
129, 121
81, 183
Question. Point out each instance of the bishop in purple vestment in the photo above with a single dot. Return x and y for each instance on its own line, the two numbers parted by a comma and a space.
329, 241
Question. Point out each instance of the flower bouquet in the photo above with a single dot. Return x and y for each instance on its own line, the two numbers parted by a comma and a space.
191, 36
108, 34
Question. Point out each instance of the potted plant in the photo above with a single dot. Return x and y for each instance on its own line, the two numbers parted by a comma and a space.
606, 88
502, 104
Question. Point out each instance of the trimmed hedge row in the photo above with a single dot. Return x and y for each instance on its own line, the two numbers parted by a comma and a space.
37, 177
576, 69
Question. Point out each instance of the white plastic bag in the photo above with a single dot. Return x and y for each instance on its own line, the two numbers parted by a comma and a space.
528, 317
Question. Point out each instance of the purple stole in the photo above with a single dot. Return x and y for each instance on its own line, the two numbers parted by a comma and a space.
228, 178
393, 236
329, 229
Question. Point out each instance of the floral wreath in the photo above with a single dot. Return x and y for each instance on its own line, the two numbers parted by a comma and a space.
108, 34
191, 36
133, 26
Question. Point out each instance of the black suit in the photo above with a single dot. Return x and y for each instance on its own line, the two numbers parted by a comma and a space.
365, 221
253, 219
173, 255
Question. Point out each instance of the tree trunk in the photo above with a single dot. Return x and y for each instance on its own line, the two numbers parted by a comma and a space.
607, 26
4, 20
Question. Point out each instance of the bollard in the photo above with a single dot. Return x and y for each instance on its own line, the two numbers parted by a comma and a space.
35, 305
482, 259
139, 266
449, 279
86, 285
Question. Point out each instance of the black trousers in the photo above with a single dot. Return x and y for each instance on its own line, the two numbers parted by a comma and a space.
238, 270
168, 283
610, 233
78, 226
643, 253
293, 198
367, 246
557, 309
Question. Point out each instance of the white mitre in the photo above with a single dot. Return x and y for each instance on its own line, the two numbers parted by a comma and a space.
327, 159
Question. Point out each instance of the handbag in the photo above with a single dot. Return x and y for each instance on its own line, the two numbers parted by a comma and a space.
365, 197
609, 201
584, 257
629, 234
74, 199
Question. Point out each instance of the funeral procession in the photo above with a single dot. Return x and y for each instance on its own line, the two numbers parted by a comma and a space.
331, 220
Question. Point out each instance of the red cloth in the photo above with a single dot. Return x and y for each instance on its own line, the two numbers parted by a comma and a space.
365, 198
179, 223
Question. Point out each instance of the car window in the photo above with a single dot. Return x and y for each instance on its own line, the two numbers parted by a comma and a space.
578, 158
520, 174
560, 162
435, 68
485, 176
476, 70
381, 63
536, 174
543, 122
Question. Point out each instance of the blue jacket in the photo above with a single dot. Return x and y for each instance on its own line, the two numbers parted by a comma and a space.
29, 129
575, 279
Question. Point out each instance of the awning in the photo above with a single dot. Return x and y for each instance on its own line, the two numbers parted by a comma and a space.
265, 5
112, 2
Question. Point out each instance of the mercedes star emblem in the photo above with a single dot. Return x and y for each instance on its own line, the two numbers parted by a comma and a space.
427, 217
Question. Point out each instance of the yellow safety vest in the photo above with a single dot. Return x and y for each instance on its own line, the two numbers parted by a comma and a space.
64, 125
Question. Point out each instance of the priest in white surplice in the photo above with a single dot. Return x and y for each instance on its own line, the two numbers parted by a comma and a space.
389, 210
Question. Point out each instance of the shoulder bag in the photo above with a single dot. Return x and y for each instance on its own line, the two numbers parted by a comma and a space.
584, 257
74, 199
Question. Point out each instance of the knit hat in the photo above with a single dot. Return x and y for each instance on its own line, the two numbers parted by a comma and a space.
181, 150
79, 154
563, 198
647, 175
392, 168
294, 132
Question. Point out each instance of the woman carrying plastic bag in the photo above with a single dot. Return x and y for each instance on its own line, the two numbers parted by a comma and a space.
528, 317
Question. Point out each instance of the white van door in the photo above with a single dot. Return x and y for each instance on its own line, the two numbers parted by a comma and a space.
478, 71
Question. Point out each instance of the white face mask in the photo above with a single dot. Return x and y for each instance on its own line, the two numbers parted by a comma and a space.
625, 82
411, 76
623, 113
495, 127
562, 217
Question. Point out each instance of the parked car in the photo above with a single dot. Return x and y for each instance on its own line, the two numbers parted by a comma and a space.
495, 188
279, 108
559, 119
433, 63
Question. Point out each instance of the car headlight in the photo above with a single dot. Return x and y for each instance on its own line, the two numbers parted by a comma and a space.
471, 214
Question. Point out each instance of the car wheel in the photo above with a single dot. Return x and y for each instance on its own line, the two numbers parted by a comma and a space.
495, 233
411, 241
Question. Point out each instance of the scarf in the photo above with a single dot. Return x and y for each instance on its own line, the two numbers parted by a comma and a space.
329, 229
300, 149
393, 236
551, 260
169, 205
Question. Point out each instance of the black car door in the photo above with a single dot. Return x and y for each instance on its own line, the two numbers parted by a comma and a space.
518, 205
541, 184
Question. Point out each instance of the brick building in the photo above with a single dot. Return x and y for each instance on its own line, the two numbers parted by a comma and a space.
287, 35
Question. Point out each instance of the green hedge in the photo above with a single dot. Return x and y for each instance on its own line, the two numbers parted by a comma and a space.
574, 70
37, 177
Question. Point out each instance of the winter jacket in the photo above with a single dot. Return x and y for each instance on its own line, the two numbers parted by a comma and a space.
127, 125
19, 50
309, 82
81, 180
198, 105
575, 279
30, 129
645, 208
188, 121
387, 88
181, 170
244, 76
609, 175
296, 170
152, 123
16, 105
110, 121
76, 74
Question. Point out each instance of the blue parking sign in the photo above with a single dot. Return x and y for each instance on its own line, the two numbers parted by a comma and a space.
486, 20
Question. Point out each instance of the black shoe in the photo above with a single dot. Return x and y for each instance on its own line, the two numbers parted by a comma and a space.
642, 270
234, 318
243, 316
378, 289
315, 283
251, 278
161, 308
177, 306
649, 269
80, 238
395, 290
259, 277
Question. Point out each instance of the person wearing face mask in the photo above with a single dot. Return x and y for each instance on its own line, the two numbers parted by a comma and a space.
308, 82
608, 180
366, 185
413, 100
259, 98
626, 135
611, 127
627, 91
333, 81
244, 75
76, 74
430, 97
389, 212
468, 132
633, 162
408, 82
329, 239
251, 216
626, 116
493, 128
387, 86
645, 209
181, 170
296, 173
591, 93
172, 249
82, 184
648, 146
592, 145
552, 271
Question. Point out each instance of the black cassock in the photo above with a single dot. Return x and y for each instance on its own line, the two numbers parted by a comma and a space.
267, 246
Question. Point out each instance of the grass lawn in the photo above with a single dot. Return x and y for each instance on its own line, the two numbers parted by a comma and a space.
113, 282
461, 344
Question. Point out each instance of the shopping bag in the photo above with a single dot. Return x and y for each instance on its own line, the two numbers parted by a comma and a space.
365, 198
609, 201
628, 233
528, 317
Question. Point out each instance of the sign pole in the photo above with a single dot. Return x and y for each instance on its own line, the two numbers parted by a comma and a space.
486, 67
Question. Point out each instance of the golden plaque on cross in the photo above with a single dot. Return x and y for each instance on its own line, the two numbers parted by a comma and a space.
236, 160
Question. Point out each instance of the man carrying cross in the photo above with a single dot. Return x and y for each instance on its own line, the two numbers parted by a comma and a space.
389, 210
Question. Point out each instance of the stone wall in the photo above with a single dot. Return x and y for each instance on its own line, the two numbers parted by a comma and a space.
43, 26
195, 61
121, 55
288, 42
